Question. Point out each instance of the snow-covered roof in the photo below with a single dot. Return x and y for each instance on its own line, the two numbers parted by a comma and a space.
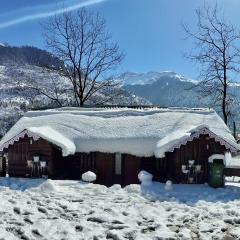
140, 132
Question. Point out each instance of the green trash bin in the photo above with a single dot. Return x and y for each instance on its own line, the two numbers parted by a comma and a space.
216, 173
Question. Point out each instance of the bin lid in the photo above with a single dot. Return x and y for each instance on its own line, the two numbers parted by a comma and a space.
216, 156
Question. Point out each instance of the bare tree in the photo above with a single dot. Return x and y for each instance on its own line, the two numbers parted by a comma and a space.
87, 51
218, 55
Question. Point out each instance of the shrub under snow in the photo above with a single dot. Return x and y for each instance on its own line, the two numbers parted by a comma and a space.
145, 178
89, 176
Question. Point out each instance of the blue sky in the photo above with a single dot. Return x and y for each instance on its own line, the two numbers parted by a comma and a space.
149, 31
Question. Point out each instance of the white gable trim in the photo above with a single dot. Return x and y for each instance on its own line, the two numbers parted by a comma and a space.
204, 131
19, 136
177, 145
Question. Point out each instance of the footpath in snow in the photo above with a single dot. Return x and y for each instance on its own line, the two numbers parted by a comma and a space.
46, 209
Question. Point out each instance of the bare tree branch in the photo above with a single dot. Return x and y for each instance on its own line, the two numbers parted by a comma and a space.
87, 52
217, 53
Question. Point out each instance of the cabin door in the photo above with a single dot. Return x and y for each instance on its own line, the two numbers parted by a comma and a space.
18, 154
105, 168
131, 168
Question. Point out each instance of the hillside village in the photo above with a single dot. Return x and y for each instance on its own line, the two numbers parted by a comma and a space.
108, 132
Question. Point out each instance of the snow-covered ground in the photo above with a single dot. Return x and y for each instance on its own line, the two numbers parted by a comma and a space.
46, 209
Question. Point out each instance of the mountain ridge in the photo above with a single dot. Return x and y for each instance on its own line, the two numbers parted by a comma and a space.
133, 78
21, 66
167, 89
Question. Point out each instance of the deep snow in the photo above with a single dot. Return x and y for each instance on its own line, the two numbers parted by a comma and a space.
46, 209
139, 132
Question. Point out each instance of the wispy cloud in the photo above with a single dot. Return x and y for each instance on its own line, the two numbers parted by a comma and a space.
46, 14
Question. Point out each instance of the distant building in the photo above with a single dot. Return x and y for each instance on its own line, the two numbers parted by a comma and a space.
117, 143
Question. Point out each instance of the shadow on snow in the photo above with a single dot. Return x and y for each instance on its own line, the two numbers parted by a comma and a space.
191, 193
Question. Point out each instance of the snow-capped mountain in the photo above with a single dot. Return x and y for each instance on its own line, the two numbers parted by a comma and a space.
169, 89
131, 78
165, 88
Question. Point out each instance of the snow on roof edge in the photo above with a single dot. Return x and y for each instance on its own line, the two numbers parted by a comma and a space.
47, 133
51, 135
86, 129
171, 142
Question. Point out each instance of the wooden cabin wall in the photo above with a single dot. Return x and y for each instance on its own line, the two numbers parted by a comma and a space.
3, 166
161, 171
130, 169
156, 166
103, 164
21, 151
72, 167
232, 171
196, 150
105, 168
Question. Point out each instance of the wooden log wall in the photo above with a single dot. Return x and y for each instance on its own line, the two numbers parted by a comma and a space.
3, 166
232, 172
105, 168
72, 167
24, 150
199, 150
130, 169
103, 164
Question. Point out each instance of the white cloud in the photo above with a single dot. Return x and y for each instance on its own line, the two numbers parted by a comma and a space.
45, 14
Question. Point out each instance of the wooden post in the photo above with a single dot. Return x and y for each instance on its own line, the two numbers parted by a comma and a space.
3, 167
234, 130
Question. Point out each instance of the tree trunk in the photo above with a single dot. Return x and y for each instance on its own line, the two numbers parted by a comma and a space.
225, 115
234, 130
81, 103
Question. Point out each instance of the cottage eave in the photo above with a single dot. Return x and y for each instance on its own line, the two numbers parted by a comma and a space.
232, 147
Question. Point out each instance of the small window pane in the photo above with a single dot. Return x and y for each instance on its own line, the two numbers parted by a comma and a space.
118, 163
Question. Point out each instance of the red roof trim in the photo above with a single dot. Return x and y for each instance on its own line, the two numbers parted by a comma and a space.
17, 137
203, 131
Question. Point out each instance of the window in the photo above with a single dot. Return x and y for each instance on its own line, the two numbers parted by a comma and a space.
118, 163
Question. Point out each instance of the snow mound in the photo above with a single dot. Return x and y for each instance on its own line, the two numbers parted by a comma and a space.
115, 187
145, 178
89, 176
48, 186
67, 146
133, 188
168, 185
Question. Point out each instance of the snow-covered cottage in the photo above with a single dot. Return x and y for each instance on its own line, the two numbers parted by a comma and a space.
116, 143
